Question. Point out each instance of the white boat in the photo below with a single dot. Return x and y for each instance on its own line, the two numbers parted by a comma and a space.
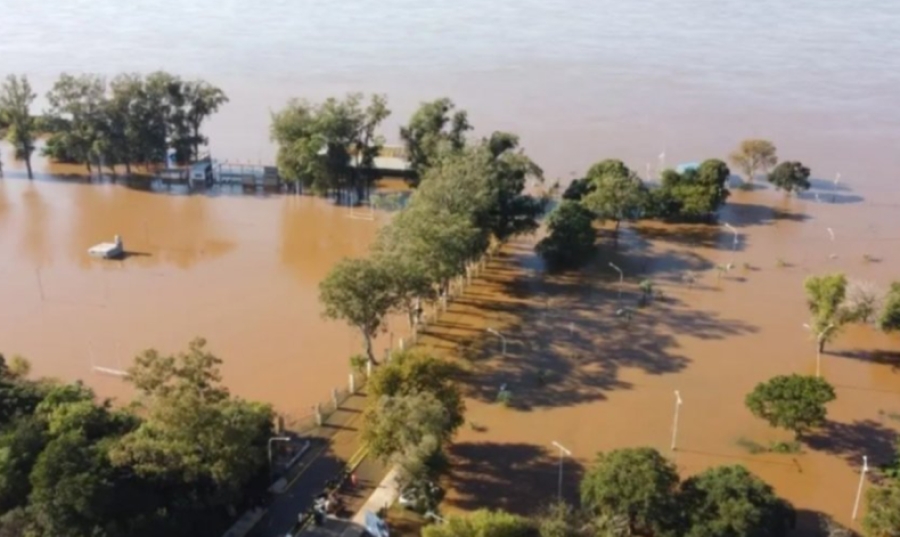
108, 250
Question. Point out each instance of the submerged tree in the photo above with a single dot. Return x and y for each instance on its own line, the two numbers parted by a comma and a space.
754, 156
436, 126
693, 194
16, 98
202, 100
638, 483
729, 501
825, 296
571, 236
790, 176
481, 523
359, 292
330, 145
883, 515
617, 197
889, 319
792, 402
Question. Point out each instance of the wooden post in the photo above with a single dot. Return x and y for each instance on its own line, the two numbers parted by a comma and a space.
334, 397
352, 383
318, 410
368, 369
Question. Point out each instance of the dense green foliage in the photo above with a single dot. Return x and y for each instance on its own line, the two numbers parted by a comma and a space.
432, 130
616, 196
792, 402
729, 501
570, 236
883, 515
696, 193
482, 523
358, 291
638, 483
753, 156
329, 146
133, 119
176, 465
889, 319
790, 177
16, 119
825, 296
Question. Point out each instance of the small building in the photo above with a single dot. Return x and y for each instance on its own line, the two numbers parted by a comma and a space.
201, 174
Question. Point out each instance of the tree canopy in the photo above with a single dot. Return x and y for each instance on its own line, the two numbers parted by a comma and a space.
635, 482
790, 176
616, 195
411, 372
889, 318
729, 501
358, 291
570, 236
329, 145
693, 194
481, 523
435, 127
882, 518
754, 156
16, 98
825, 296
792, 402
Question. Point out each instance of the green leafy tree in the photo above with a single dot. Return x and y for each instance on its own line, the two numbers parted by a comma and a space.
409, 282
16, 98
617, 197
790, 176
329, 145
18, 522
571, 236
825, 296
609, 168
77, 110
202, 100
20, 446
635, 482
359, 292
409, 373
729, 501
754, 156
792, 402
481, 523
436, 126
695, 193
882, 518
578, 189
509, 170
193, 430
889, 319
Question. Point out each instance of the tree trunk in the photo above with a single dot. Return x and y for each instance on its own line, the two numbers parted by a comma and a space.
127, 168
616, 234
822, 345
370, 354
28, 165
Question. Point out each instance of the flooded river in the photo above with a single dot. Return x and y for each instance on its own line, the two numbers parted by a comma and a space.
580, 81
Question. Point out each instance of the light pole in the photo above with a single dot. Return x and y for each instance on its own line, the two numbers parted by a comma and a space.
562, 455
734, 242
502, 339
837, 179
820, 337
675, 420
275, 439
621, 278
859, 489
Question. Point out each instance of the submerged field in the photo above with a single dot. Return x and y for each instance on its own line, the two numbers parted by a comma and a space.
591, 380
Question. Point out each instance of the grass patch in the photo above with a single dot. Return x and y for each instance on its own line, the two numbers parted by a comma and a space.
754, 448
505, 398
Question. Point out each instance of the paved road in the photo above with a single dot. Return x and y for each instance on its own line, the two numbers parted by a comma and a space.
333, 446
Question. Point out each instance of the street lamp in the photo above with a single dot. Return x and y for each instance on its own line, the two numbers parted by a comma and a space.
621, 277
820, 338
675, 421
859, 489
734, 243
562, 454
275, 439
502, 339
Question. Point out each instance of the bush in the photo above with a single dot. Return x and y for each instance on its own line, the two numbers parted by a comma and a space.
571, 237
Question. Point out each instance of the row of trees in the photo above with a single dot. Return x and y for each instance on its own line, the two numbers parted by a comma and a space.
637, 491
610, 191
470, 195
130, 119
179, 461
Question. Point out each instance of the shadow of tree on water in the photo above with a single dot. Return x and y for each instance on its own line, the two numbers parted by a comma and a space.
851, 441
512, 477
875, 356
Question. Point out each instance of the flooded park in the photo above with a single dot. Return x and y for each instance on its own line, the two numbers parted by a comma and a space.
243, 270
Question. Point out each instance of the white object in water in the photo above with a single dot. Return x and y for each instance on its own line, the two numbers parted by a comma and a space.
108, 250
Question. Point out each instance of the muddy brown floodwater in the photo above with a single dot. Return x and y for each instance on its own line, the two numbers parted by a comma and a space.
610, 383
241, 271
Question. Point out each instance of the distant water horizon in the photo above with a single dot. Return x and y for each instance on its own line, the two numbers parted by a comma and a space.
578, 80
